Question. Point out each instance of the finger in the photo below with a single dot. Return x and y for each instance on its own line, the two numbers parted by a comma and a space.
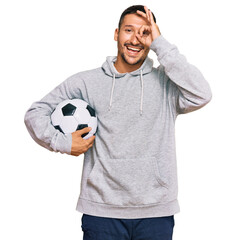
90, 145
151, 17
144, 29
84, 130
90, 140
147, 13
142, 13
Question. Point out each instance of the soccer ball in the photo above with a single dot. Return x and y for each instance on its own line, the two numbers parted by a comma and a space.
72, 115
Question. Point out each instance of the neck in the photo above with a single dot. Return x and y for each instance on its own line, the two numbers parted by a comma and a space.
123, 67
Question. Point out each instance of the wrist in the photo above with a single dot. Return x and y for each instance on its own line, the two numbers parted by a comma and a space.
155, 32
156, 36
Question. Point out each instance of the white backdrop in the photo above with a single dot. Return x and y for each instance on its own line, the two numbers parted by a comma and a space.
44, 42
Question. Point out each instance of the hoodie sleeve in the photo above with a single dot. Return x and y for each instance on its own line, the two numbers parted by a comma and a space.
38, 118
191, 91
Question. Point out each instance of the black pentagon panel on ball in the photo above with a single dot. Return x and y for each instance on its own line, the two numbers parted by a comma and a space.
81, 126
59, 128
68, 110
91, 111
83, 135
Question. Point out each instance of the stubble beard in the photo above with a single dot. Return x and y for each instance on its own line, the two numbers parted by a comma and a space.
125, 60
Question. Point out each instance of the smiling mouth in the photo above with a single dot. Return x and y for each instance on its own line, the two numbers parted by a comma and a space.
133, 50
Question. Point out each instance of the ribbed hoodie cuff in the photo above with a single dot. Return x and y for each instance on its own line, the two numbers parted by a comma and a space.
62, 143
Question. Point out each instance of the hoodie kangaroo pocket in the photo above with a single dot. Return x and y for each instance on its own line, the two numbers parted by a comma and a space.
126, 182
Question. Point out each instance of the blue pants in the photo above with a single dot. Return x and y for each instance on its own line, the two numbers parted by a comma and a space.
104, 228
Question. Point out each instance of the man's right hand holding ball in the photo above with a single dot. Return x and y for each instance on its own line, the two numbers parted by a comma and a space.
80, 145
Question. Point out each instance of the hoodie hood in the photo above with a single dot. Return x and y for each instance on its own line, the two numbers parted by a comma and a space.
110, 70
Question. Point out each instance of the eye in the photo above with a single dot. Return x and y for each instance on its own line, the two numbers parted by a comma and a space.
146, 32
128, 30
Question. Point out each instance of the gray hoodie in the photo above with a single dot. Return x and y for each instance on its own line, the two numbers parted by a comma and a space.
130, 171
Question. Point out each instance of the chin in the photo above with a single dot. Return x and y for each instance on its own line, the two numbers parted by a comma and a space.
132, 61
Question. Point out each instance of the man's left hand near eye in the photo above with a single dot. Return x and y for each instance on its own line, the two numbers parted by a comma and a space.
148, 33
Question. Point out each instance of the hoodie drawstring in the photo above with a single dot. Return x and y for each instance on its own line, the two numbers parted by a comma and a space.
113, 85
141, 100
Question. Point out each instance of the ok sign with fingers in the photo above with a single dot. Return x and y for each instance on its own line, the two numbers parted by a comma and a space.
147, 33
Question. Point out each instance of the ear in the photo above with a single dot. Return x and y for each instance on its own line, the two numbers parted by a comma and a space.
116, 34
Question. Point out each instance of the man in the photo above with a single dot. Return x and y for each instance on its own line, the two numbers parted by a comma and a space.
129, 179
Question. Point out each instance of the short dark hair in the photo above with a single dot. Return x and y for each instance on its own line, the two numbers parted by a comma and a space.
132, 9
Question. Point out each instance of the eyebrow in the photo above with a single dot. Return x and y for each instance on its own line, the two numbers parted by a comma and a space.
128, 26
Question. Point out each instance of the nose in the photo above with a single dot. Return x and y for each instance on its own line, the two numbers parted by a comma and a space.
134, 39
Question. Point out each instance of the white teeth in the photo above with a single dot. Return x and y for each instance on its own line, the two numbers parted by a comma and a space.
134, 49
